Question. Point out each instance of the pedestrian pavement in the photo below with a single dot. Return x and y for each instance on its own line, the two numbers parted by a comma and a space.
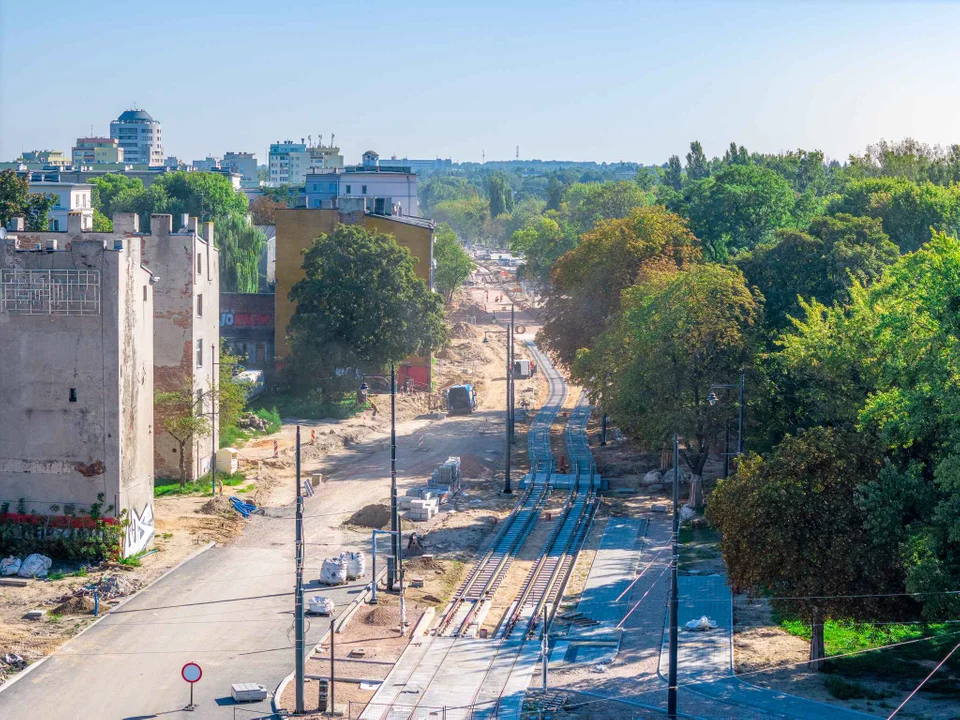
705, 658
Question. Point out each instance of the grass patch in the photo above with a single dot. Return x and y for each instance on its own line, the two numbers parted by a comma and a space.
163, 487
232, 435
306, 407
56, 576
907, 662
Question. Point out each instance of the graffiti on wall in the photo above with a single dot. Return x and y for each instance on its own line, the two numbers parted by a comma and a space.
246, 320
139, 530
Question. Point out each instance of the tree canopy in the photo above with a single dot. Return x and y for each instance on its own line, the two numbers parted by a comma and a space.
586, 283
453, 265
361, 306
16, 200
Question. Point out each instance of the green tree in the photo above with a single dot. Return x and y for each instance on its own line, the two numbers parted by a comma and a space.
586, 204
678, 332
113, 193
207, 196
673, 174
467, 216
16, 200
453, 265
183, 420
240, 244
231, 396
587, 282
793, 528
737, 208
820, 264
909, 211
542, 244
501, 195
697, 165
360, 305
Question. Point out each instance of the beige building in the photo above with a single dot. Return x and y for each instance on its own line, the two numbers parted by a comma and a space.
76, 372
97, 151
186, 331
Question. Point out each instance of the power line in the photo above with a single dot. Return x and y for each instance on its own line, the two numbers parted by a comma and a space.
917, 688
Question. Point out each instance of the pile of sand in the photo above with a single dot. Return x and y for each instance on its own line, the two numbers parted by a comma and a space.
371, 516
463, 331
472, 467
381, 616
82, 605
419, 564
218, 505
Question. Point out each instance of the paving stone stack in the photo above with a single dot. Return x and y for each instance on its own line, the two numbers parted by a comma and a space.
447, 475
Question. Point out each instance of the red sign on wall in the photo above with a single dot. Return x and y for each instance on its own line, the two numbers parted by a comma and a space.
245, 320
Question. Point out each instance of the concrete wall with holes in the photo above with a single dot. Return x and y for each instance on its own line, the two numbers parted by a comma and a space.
186, 332
76, 416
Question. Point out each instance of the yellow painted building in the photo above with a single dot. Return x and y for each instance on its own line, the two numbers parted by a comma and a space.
297, 228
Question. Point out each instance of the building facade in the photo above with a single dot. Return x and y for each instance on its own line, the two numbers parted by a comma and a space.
387, 189
244, 164
297, 228
289, 162
68, 198
45, 158
247, 329
97, 151
140, 137
186, 333
76, 352
419, 166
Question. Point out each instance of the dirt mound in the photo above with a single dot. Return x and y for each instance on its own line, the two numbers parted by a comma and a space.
371, 516
448, 354
472, 467
82, 605
381, 616
418, 564
463, 331
219, 505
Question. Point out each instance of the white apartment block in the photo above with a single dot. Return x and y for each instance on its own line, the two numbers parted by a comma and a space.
69, 197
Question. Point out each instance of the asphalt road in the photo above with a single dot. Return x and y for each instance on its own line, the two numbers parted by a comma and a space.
231, 609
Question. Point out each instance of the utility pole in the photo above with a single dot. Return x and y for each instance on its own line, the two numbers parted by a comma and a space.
544, 642
740, 418
394, 516
507, 489
298, 602
333, 705
674, 603
513, 389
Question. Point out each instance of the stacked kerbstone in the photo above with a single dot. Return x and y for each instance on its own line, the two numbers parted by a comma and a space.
447, 475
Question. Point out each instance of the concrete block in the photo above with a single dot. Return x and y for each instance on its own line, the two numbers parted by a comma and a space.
35, 615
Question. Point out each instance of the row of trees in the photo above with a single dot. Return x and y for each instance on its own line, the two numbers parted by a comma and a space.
839, 300
207, 196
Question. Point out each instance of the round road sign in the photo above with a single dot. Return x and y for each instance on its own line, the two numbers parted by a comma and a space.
191, 672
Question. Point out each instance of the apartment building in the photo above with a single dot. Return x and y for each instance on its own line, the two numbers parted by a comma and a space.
387, 189
140, 137
68, 198
97, 151
289, 162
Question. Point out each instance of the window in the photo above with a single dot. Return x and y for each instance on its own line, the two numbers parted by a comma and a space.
73, 394
363, 190
199, 305
316, 203
144, 293
333, 187
199, 264
348, 190
199, 353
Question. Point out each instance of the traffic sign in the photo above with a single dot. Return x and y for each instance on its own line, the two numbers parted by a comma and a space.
191, 672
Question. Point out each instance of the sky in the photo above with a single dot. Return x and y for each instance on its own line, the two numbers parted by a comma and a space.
599, 80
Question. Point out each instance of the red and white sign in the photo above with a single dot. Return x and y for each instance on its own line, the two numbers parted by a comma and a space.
191, 672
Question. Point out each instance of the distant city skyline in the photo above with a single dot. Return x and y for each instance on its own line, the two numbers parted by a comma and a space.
602, 81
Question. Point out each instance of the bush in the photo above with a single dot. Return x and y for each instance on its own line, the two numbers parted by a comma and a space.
846, 690
85, 535
163, 487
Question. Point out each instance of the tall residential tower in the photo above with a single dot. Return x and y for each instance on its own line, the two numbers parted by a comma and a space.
139, 136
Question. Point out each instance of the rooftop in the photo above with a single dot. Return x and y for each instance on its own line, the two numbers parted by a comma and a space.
135, 116
112, 141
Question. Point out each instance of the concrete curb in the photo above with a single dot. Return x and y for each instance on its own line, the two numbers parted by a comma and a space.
341, 621
124, 601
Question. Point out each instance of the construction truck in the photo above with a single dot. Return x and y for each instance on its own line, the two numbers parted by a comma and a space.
461, 400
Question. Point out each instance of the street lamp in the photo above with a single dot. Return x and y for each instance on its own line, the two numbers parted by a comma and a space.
712, 400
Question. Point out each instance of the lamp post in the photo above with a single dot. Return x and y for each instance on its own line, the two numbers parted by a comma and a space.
394, 510
712, 399
674, 600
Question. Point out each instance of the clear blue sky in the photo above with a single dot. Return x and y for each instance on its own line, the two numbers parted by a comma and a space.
593, 80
